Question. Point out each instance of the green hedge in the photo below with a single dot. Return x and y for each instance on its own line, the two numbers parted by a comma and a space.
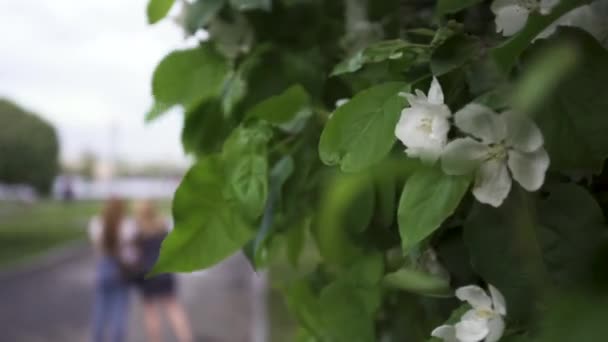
29, 148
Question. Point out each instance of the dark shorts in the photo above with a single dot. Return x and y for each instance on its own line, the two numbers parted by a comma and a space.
158, 286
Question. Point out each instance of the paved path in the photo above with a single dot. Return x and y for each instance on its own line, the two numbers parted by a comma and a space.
54, 303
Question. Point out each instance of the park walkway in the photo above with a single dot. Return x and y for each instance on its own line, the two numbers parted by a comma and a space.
53, 303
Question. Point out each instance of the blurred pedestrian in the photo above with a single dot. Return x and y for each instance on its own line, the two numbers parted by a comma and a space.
159, 292
112, 236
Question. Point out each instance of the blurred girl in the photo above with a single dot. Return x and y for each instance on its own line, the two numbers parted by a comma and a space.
112, 236
159, 292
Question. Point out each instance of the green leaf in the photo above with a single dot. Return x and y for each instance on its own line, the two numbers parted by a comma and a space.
543, 74
201, 13
346, 209
189, 77
208, 227
338, 313
419, 282
360, 133
248, 180
279, 174
346, 313
572, 227
428, 198
407, 53
500, 238
573, 117
506, 54
205, 129
283, 108
158, 9
245, 5
453, 6
454, 53
244, 154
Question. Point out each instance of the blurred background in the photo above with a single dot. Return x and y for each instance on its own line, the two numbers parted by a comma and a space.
74, 87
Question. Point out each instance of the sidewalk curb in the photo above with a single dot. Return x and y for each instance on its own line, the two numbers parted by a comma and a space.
45, 260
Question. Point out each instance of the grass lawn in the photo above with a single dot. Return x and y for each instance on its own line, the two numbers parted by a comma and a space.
30, 229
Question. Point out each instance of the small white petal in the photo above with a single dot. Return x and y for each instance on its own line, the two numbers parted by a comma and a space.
498, 300
440, 126
435, 92
429, 154
476, 296
510, 19
471, 314
472, 330
492, 183
420, 94
546, 6
522, 133
408, 128
341, 102
496, 327
462, 156
529, 169
481, 122
445, 332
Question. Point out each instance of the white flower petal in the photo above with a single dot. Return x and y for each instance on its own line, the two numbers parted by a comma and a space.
529, 169
435, 92
492, 182
462, 156
440, 126
481, 122
476, 296
420, 94
522, 133
429, 154
496, 327
546, 6
510, 19
445, 332
341, 102
498, 300
407, 127
471, 314
472, 330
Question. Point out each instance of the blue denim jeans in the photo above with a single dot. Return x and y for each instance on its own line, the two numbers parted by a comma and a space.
111, 305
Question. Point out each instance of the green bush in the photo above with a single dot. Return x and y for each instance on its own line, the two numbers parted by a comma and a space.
29, 148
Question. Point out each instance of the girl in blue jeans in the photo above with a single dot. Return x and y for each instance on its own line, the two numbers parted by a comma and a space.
112, 236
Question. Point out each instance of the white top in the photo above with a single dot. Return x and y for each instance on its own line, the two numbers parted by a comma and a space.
127, 233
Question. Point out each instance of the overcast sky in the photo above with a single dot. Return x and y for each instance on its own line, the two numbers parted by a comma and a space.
86, 66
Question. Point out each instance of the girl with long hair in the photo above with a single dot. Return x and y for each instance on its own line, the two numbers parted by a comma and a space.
158, 292
112, 237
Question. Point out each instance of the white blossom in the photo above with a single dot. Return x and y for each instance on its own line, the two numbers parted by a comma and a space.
341, 102
591, 18
485, 320
503, 142
423, 126
512, 15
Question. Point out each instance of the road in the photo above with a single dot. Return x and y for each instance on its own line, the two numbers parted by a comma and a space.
54, 303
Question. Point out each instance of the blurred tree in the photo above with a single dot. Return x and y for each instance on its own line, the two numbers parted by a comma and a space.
29, 148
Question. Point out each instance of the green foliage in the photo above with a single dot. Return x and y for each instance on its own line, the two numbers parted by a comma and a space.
158, 9
428, 198
208, 224
506, 54
451, 6
188, 78
283, 172
573, 116
355, 136
29, 148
